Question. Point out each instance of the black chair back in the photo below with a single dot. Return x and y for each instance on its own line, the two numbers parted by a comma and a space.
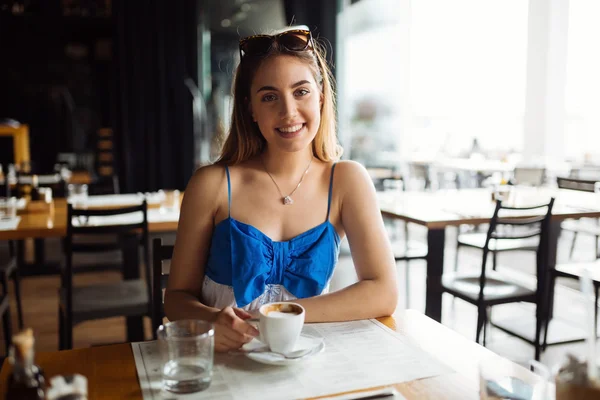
160, 253
85, 226
583, 185
514, 227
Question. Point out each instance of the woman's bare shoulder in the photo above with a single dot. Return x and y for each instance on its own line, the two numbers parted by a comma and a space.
351, 173
204, 186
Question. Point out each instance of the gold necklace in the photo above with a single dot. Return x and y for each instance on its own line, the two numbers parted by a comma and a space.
287, 200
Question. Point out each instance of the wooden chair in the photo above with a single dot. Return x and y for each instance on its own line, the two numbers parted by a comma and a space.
130, 297
489, 288
586, 226
160, 275
9, 270
5, 313
107, 179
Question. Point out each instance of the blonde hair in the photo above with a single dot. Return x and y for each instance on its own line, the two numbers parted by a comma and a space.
245, 140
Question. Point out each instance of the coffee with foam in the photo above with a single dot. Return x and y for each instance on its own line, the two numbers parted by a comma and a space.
280, 325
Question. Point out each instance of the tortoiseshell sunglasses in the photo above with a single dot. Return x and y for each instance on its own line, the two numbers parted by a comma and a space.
293, 40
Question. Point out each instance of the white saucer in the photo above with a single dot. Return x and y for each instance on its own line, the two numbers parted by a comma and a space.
315, 345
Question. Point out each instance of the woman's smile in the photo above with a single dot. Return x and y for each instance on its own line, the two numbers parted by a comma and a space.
291, 131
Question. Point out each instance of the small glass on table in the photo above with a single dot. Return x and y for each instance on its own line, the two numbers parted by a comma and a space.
187, 349
169, 200
78, 195
503, 380
8, 208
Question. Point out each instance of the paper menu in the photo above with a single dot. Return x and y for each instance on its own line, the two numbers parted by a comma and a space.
358, 355
9, 224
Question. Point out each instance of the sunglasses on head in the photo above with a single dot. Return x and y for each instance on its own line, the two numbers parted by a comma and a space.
293, 40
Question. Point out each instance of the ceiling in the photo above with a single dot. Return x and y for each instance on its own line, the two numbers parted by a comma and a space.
246, 17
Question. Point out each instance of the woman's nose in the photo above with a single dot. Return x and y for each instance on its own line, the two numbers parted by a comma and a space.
288, 107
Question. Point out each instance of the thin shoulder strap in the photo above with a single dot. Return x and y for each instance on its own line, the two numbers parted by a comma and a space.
330, 190
228, 191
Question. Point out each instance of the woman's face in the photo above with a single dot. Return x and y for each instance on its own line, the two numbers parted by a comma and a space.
285, 102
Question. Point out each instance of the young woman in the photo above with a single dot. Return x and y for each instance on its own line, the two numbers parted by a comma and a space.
264, 223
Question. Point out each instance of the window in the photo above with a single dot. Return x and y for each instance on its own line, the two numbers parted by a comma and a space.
582, 128
467, 75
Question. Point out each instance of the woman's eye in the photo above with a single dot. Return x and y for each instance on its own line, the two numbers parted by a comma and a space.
269, 97
302, 92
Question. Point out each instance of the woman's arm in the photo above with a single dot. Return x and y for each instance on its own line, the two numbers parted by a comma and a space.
194, 232
376, 293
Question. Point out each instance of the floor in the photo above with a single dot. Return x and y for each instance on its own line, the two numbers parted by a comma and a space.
40, 301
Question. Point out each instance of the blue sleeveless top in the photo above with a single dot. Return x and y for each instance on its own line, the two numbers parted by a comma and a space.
243, 257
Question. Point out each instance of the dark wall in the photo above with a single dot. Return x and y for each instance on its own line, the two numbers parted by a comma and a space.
155, 51
320, 17
54, 75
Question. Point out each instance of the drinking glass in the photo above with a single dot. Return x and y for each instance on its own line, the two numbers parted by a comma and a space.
8, 208
78, 195
187, 348
500, 380
169, 200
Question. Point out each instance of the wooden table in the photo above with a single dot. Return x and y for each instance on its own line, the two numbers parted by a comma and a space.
112, 374
54, 224
438, 210
36, 225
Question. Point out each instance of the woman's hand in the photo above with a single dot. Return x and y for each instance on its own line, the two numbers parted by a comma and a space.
232, 330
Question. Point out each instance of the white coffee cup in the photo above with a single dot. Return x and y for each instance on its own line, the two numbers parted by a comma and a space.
280, 325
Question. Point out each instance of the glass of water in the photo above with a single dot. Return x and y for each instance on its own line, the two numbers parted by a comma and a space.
187, 347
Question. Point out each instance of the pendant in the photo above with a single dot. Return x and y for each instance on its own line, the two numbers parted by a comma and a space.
287, 200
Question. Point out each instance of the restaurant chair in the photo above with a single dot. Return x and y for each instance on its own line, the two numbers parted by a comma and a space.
161, 257
130, 297
9, 270
529, 176
574, 271
486, 289
407, 252
404, 249
590, 173
477, 240
5, 313
107, 179
420, 174
585, 226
